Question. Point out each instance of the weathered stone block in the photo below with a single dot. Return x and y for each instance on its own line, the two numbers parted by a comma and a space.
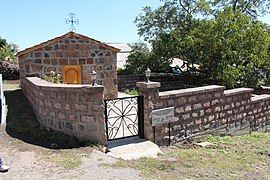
206, 104
214, 102
181, 101
217, 109
66, 107
61, 115
192, 99
36, 67
197, 106
80, 107
57, 105
188, 108
212, 117
194, 114
179, 110
72, 54
201, 112
186, 116
86, 118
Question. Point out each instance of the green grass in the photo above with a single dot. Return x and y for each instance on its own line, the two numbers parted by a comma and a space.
67, 159
239, 157
131, 92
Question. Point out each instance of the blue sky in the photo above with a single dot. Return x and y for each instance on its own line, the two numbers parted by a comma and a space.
29, 22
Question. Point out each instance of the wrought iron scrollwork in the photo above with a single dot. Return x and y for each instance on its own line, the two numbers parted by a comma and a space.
122, 117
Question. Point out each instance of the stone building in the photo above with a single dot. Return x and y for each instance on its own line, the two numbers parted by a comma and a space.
74, 56
122, 55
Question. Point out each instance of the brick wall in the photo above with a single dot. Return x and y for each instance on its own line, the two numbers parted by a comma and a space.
168, 82
72, 49
202, 110
76, 110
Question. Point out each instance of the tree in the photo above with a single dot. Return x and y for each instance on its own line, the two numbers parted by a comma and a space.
141, 57
173, 14
179, 13
8, 51
229, 43
253, 8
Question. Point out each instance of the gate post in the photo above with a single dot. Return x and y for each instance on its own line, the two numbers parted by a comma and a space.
141, 116
149, 90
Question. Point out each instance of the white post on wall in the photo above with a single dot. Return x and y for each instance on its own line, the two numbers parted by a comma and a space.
3, 102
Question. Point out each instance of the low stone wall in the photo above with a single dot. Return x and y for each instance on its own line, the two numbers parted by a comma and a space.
168, 82
203, 110
76, 110
128, 81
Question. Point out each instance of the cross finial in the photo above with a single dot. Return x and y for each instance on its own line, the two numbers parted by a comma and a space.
72, 21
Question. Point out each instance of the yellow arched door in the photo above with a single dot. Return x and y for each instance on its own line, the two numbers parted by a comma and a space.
72, 74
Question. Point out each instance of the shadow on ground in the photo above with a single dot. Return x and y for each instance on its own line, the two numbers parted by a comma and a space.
22, 124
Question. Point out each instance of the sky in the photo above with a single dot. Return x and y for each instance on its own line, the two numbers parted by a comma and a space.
30, 22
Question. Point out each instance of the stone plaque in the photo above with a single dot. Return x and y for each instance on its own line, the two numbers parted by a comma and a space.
162, 116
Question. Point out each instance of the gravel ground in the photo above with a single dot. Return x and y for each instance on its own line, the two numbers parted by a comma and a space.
28, 161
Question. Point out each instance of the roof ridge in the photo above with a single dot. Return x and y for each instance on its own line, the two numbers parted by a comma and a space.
68, 34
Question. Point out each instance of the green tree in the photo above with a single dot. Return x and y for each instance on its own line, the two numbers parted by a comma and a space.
179, 13
8, 51
229, 43
141, 57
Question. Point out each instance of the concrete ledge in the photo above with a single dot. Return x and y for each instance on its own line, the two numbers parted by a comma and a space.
191, 91
262, 97
232, 92
148, 85
42, 83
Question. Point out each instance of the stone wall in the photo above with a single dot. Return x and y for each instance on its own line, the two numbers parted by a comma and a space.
72, 49
203, 110
76, 110
168, 82
128, 81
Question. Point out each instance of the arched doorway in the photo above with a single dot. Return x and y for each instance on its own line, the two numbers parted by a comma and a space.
72, 75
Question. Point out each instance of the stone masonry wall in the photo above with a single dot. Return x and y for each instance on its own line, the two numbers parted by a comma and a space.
76, 110
73, 50
168, 82
203, 110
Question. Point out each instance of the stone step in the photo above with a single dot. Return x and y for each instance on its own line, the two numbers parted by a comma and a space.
132, 148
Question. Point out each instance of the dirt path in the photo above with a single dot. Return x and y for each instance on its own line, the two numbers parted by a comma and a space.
29, 161
34, 153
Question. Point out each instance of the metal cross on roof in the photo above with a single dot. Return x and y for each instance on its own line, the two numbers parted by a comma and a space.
72, 21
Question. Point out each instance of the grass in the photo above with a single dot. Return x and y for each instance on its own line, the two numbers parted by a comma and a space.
11, 85
239, 157
131, 92
67, 159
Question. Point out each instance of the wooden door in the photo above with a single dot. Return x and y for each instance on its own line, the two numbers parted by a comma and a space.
72, 74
